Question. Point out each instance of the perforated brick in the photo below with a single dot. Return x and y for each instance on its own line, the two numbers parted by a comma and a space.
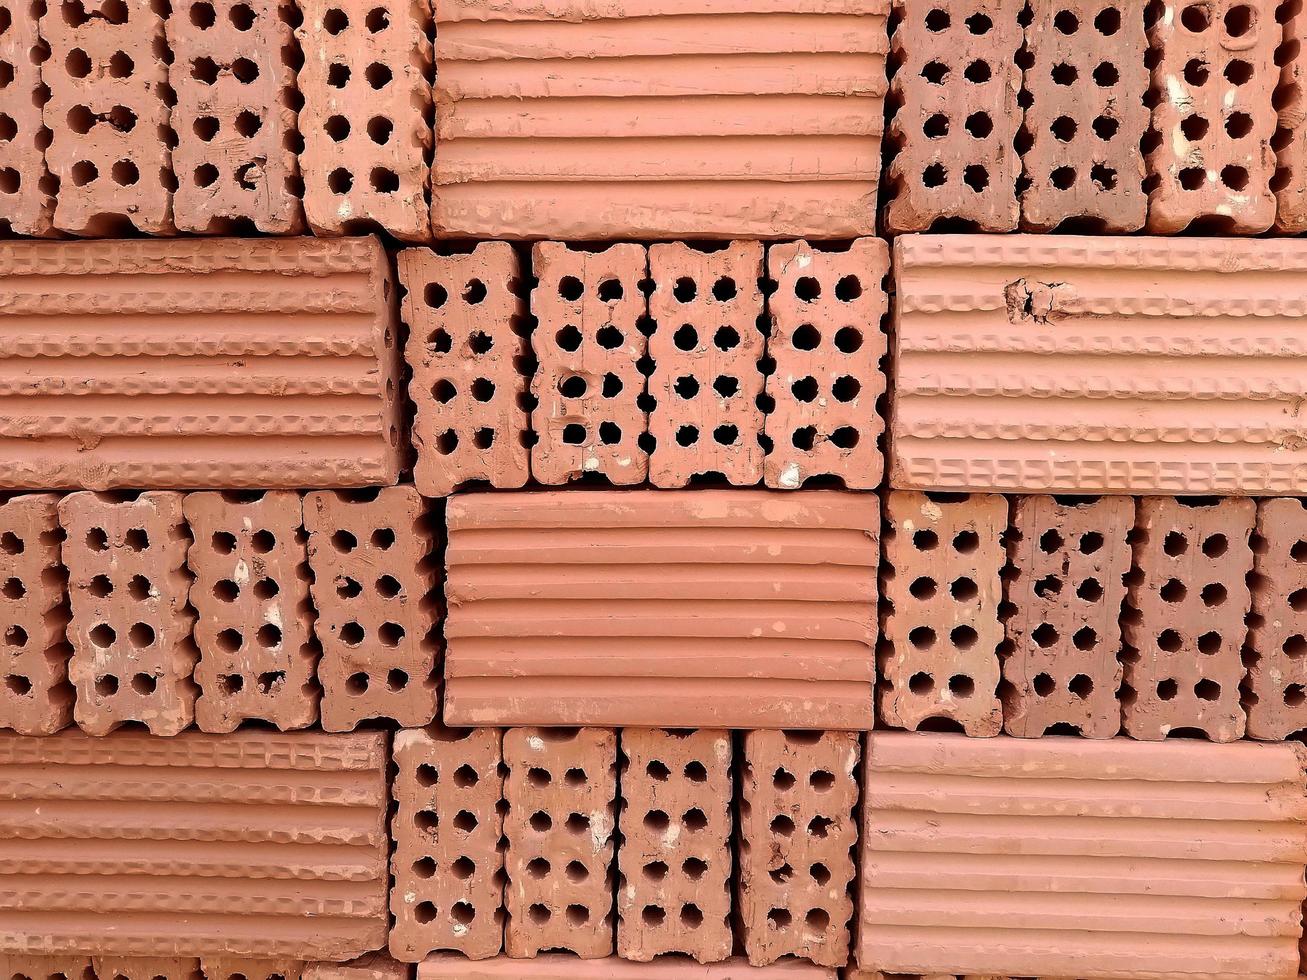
366, 120
827, 344
466, 317
940, 629
1067, 562
131, 625
26, 188
706, 347
235, 118
673, 892
378, 620
1184, 624
1210, 159
369, 966
1276, 655
797, 835
147, 968
17, 966
247, 968
588, 386
1290, 141
561, 793
956, 115
254, 628
447, 866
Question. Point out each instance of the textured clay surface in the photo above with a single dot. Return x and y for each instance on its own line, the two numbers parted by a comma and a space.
466, 317
1290, 140
797, 834
244, 844
560, 966
723, 608
940, 630
1276, 655
26, 187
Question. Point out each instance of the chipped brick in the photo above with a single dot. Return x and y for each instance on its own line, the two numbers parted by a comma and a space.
369, 966
1276, 696
26, 187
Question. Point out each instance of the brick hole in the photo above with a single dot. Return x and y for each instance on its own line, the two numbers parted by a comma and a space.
819, 873
383, 180
978, 72
726, 338
427, 775
1044, 635
377, 20
141, 635
1103, 176
966, 542
18, 685
269, 636
124, 173
695, 772
1295, 695
1215, 545
1085, 638
687, 435
609, 337
780, 918
1066, 22
576, 872
782, 825
726, 435
106, 685
574, 434
724, 289
1209, 643
424, 868
245, 70
1175, 544
1090, 590
77, 63
352, 633
16, 636
976, 177
443, 391
262, 541
1048, 587
465, 821
14, 588
343, 541
654, 870
1167, 690
1174, 591
653, 916
782, 874
1213, 594
1044, 685
84, 172
440, 340
12, 544
694, 820
921, 683
922, 637
1082, 685
1108, 21
229, 640
340, 181
934, 176
922, 588
357, 684
1106, 75
963, 637
424, 912
657, 771
1207, 690
144, 684
691, 916
1234, 177
685, 290
541, 822
925, 540
334, 21
203, 16
271, 681
1169, 640
348, 588
1090, 542
103, 635
1238, 72
1238, 125
936, 126
1295, 646
465, 867
337, 128
935, 72
963, 589
1105, 127
817, 920
383, 538
1063, 178
1196, 17
1240, 20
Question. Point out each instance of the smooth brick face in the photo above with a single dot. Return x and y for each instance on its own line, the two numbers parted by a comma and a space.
1290, 143
673, 895
373, 585
1277, 671
258, 655
1184, 627
561, 792
797, 834
588, 417
26, 189
705, 347
1068, 562
131, 625
447, 865
827, 343
940, 629
466, 316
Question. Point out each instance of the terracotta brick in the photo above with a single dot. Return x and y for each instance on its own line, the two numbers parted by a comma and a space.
147, 968
1210, 159
1276, 691
366, 84
254, 628
448, 865
673, 892
378, 618
26, 187
35, 697
17, 966
1068, 560
131, 625
588, 416
1290, 141
827, 344
940, 629
369, 966
466, 317
1184, 627
561, 792
560, 966
248, 968
797, 834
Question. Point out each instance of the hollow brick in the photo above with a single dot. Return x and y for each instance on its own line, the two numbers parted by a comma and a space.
1276, 696
561, 966
249, 968
147, 968
20, 966
26, 187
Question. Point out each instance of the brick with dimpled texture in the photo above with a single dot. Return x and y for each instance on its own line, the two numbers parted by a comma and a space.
1277, 638
26, 187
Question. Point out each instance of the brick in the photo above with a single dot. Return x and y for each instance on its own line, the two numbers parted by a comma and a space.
447, 866
366, 116
558, 966
1085, 79
588, 386
1184, 626
26, 187
249, 844
827, 343
659, 608
131, 626
249, 968
16, 966
797, 834
466, 317
1289, 184
1068, 560
235, 117
378, 618
1276, 688
197, 363
254, 624
673, 892
1210, 162
369, 966
940, 629
147, 968
35, 697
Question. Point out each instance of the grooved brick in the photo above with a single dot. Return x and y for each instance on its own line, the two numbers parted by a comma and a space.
561, 792
797, 834
254, 624
1184, 628
26, 188
673, 892
1290, 141
249, 968
17, 966
448, 867
1276, 696
147, 968
556, 966
369, 966
131, 625
466, 316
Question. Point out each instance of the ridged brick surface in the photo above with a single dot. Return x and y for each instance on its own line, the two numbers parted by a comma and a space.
723, 608
26, 187
1290, 141
1089, 365
243, 844
213, 363
1080, 858
560, 966
250, 968
369, 966
1276, 688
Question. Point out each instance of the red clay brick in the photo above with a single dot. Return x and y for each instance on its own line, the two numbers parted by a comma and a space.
247, 968
1290, 142
254, 628
561, 792
447, 866
369, 966
827, 343
1067, 561
16, 966
26, 188
466, 317
705, 347
560, 966
673, 892
147, 968
588, 416
131, 625
1184, 628
1276, 695
374, 590
940, 629
797, 834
